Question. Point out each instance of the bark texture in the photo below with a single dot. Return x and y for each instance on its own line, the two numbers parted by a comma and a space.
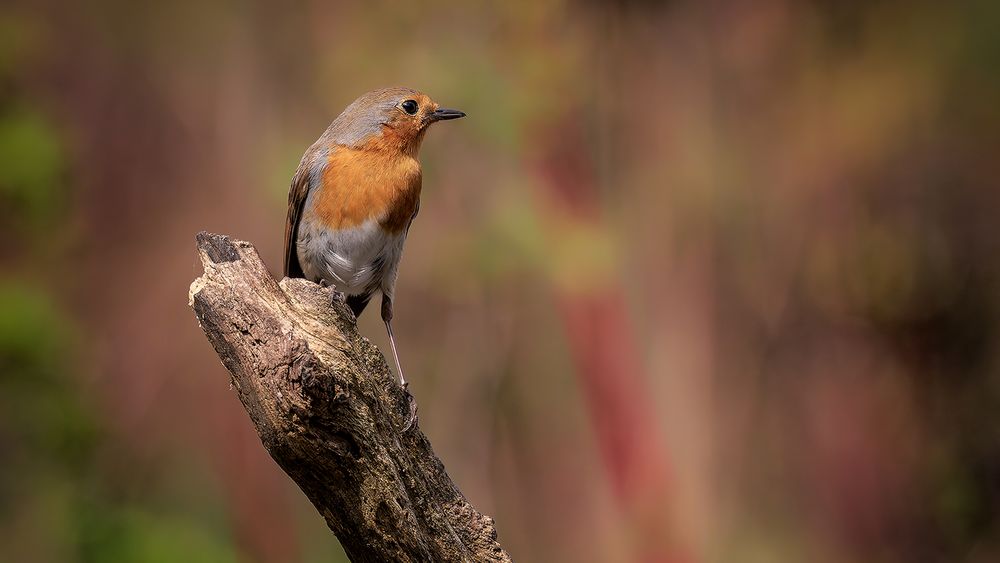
332, 415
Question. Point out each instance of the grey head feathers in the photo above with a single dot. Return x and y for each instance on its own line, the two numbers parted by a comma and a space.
366, 115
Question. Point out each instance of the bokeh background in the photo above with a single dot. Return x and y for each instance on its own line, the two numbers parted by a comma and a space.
694, 281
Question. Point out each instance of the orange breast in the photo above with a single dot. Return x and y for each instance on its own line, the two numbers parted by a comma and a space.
359, 185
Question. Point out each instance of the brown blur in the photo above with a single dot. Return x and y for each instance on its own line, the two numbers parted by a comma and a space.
694, 281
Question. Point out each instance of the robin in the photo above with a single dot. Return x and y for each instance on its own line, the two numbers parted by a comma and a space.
354, 195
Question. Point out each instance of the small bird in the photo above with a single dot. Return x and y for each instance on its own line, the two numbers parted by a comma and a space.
354, 195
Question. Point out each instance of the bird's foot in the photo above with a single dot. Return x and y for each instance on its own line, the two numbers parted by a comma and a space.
411, 418
335, 295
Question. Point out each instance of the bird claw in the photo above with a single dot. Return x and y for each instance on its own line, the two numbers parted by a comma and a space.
335, 295
411, 419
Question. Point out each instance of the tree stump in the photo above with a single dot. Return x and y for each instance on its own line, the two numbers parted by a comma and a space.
332, 415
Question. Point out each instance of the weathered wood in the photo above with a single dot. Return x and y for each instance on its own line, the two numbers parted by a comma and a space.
332, 415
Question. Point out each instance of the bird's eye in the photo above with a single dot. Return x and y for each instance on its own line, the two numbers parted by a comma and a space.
409, 106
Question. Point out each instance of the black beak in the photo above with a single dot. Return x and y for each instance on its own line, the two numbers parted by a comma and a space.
444, 113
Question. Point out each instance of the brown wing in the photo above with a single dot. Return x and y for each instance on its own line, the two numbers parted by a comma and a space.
296, 201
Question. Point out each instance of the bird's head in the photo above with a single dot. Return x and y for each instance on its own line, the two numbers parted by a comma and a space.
390, 119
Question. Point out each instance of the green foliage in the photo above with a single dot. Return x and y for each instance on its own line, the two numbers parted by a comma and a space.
47, 431
38, 404
31, 162
54, 502
127, 535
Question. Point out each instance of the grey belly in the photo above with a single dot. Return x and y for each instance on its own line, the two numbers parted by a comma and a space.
357, 260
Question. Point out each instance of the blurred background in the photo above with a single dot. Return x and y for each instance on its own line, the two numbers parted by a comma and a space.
694, 281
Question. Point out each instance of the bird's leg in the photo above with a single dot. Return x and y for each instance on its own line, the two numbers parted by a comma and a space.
387, 318
412, 404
